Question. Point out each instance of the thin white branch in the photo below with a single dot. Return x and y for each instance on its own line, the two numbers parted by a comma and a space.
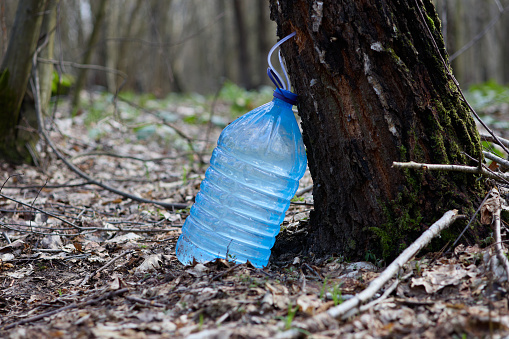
496, 158
338, 311
487, 137
451, 168
375, 302
498, 238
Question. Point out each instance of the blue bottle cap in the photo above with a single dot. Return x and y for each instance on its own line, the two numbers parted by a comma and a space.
286, 96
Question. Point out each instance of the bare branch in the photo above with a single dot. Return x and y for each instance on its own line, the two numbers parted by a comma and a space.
338, 311
496, 158
47, 213
451, 76
87, 277
68, 307
487, 137
452, 168
498, 239
482, 33
469, 223
36, 90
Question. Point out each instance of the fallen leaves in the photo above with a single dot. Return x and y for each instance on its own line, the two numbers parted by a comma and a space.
113, 272
441, 276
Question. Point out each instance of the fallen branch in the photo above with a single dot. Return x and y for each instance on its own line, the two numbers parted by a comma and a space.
114, 155
487, 137
36, 91
469, 223
375, 302
68, 307
498, 238
87, 277
496, 158
452, 168
323, 319
144, 301
47, 213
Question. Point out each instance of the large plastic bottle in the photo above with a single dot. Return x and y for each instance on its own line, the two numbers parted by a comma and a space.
254, 172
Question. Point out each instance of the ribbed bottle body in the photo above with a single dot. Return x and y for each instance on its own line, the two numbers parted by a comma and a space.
254, 172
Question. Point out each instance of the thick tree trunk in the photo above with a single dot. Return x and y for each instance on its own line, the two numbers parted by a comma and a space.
372, 90
15, 71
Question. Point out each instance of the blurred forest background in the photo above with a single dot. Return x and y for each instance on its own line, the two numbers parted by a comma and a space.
195, 45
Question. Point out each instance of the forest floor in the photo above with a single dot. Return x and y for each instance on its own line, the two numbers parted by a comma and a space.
78, 261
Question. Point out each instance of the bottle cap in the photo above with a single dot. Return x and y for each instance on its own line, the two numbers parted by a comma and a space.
286, 96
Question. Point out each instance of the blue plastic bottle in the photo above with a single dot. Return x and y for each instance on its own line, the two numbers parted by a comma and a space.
254, 172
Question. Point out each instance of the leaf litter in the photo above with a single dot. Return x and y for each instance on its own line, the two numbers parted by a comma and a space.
98, 265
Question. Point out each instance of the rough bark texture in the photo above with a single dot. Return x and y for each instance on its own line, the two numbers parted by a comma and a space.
14, 75
373, 90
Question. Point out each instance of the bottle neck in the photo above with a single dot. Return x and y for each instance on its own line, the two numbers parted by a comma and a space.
285, 96
282, 103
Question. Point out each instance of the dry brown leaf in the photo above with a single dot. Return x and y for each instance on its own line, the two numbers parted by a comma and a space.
198, 270
309, 303
441, 276
487, 210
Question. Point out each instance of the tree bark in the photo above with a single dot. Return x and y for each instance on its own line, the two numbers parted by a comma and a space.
14, 75
263, 45
372, 90
244, 62
92, 41
48, 29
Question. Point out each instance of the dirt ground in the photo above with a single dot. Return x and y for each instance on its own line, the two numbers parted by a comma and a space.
78, 261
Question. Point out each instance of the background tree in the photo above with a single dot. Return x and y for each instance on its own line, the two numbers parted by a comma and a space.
18, 127
87, 57
373, 89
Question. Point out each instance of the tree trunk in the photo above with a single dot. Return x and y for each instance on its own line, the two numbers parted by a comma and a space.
263, 45
372, 90
14, 75
92, 41
48, 29
244, 62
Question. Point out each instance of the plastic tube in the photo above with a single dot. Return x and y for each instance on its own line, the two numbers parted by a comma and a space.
280, 60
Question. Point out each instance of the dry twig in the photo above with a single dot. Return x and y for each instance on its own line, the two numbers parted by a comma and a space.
496, 158
455, 168
87, 277
487, 137
498, 238
36, 91
337, 312
144, 301
65, 308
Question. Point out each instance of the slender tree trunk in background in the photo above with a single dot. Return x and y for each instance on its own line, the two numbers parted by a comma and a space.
262, 43
372, 90
112, 50
92, 42
224, 64
122, 62
14, 74
505, 52
45, 70
244, 62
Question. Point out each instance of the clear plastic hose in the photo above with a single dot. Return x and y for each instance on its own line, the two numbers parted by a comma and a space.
280, 61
